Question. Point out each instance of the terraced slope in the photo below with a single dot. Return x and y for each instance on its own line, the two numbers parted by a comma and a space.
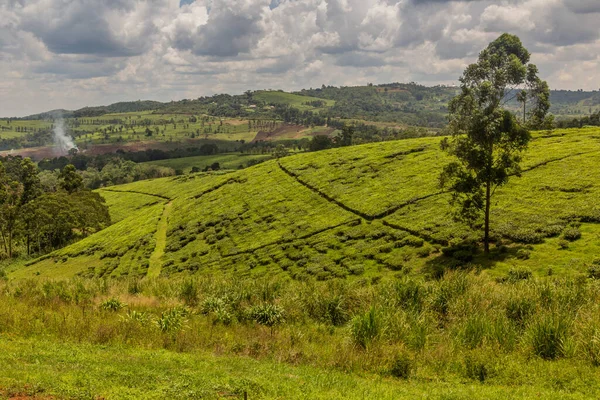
363, 210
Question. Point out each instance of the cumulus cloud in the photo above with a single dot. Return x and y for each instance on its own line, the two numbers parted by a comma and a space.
112, 50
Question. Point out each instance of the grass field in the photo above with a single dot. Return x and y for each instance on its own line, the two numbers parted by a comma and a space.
226, 161
461, 337
363, 210
291, 99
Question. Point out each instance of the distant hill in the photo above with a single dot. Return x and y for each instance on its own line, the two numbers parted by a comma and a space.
363, 211
401, 103
122, 107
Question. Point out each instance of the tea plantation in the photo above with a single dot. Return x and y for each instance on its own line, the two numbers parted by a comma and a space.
362, 211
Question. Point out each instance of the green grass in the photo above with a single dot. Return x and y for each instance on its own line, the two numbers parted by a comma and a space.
226, 161
464, 336
155, 262
291, 99
122, 205
80, 371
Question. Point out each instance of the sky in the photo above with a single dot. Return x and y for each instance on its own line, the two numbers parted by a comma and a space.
74, 53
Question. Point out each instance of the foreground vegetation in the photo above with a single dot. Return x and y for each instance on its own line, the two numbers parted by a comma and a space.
465, 335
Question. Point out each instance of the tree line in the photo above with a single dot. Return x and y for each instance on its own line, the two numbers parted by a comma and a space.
35, 219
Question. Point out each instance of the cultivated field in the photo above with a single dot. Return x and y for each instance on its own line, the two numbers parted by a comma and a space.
364, 210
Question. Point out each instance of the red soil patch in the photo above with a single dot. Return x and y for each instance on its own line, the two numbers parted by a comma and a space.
39, 153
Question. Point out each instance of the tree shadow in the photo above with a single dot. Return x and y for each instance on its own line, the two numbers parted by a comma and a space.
468, 256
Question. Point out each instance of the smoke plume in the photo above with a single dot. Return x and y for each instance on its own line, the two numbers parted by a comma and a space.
62, 142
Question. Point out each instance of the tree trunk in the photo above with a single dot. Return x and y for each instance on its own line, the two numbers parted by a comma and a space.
486, 239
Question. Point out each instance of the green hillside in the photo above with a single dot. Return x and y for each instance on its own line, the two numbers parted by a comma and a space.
226, 161
366, 210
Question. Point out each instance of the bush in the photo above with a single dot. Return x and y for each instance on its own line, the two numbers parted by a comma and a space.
172, 320
410, 295
523, 254
366, 327
563, 244
189, 292
526, 236
402, 366
112, 305
571, 234
594, 271
518, 274
475, 330
267, 314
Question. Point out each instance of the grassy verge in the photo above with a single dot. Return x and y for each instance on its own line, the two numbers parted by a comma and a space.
83, 371
463, 336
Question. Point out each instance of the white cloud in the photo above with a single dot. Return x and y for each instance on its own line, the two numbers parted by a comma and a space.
67, 54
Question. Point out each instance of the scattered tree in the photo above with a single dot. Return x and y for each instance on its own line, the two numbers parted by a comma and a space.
487, 140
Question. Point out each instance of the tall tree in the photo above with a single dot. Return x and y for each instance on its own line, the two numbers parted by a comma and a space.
70, 180
487, 139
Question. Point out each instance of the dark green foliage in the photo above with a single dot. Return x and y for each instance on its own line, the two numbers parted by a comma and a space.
402, 366
320, 142
189, 292
267, 314
112, 305
571, 234
70, 180
476, 367
523, 254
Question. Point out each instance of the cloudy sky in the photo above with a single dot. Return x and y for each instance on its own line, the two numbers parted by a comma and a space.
72, 53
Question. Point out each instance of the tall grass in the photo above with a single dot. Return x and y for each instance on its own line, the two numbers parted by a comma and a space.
403, 327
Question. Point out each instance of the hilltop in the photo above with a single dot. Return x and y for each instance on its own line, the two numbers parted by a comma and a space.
403, 103
369, 210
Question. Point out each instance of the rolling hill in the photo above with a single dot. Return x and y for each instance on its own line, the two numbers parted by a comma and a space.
366, 211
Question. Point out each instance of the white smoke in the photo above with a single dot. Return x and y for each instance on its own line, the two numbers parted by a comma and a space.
62, 142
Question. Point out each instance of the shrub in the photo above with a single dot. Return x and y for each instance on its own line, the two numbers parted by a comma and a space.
402, 366
134, 287
366, 327
211, 304
189, 292
563, 244
571, 234
113, 304
143, 318
526, 236
591, 345
523, 254
594, 271
172, 320
267, 314
548, 334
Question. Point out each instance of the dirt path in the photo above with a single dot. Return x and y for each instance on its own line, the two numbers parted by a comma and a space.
161, 243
